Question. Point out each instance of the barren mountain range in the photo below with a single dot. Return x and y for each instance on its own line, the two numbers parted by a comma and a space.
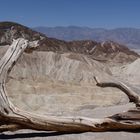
98, 50
127, 36
58, 76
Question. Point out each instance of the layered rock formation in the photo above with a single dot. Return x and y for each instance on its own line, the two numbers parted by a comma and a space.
53, 79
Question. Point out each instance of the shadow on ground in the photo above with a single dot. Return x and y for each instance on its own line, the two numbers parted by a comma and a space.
32, 135
45, 134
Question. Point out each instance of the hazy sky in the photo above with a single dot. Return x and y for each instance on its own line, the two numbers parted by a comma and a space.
92, 13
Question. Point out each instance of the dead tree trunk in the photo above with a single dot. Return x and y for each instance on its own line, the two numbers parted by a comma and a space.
12, 118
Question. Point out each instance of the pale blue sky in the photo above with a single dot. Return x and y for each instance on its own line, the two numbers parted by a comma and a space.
91, 13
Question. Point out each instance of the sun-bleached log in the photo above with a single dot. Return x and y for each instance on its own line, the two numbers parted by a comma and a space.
12, 118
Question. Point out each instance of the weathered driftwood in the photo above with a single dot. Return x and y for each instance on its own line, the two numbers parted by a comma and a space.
12, 118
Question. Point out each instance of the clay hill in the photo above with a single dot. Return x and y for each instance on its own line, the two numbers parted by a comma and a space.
57, 78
